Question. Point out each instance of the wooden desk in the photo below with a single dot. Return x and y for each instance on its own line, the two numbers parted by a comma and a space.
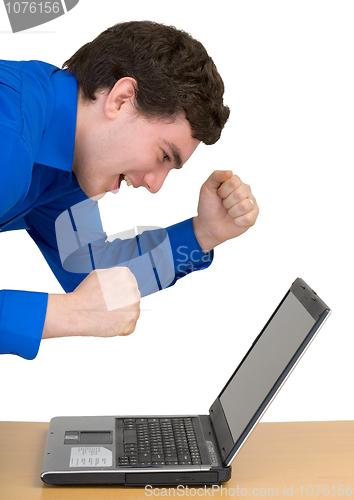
276, 456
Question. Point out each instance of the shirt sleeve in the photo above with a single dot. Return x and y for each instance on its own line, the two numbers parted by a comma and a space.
187, 253
74, 243
22, 316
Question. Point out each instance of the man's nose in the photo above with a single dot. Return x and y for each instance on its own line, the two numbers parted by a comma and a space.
154, 181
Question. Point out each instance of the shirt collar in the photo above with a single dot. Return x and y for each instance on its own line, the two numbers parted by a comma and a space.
58, 141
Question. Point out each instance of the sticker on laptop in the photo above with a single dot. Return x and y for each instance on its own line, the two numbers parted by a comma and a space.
90, 456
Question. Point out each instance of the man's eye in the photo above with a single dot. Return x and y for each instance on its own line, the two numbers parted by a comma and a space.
166, 157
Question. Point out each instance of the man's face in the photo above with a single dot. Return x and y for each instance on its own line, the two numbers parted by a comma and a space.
128, 144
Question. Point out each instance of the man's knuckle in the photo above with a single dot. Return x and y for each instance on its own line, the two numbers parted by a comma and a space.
127, 332
134, 292
248, 219
234, 183
244, 205
137, 313
134, 312
125, 271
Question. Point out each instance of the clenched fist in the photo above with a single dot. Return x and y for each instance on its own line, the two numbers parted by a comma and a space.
226, 209
105, 304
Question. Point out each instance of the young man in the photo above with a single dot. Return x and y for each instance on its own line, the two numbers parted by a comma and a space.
133, 104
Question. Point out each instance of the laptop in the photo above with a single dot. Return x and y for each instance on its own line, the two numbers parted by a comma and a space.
189, 449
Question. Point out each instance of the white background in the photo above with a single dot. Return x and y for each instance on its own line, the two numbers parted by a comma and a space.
288, 72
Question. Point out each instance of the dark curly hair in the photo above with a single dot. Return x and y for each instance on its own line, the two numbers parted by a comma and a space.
173, 71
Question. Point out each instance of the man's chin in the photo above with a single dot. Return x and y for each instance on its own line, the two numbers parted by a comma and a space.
97, 197
92, 194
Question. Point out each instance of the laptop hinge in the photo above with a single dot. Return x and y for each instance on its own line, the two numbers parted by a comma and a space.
221, 429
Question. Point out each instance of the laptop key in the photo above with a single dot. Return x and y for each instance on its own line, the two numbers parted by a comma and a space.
130, 436
131, 453
182, 449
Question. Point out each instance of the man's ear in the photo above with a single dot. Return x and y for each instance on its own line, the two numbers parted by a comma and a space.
122, 92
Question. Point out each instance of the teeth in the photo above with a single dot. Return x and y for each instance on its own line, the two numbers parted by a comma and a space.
128, 181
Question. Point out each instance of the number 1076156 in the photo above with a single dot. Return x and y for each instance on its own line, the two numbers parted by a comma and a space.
33, 7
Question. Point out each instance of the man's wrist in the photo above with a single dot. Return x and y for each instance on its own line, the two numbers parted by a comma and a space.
68, 317
60, 317
205, 240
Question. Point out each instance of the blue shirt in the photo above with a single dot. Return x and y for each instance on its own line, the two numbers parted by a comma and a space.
40, 193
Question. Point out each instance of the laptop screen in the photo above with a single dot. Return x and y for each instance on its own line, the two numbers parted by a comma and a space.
264, 364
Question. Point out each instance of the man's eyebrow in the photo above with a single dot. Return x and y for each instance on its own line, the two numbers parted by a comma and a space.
176, 153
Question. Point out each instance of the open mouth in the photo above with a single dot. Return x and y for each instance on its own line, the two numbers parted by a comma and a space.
127, 180
119, 181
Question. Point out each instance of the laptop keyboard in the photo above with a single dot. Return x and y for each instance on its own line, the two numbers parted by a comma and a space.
159, 441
